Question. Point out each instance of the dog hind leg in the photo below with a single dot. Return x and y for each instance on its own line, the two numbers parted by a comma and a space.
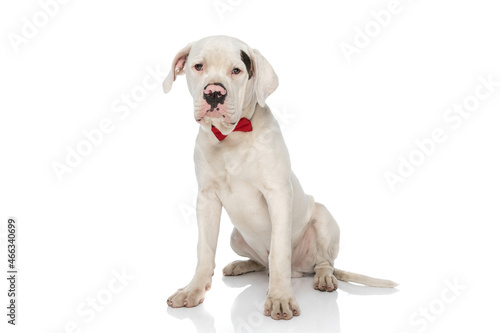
238, 267
327, 243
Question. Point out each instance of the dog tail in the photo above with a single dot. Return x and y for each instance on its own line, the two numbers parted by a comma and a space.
363, 279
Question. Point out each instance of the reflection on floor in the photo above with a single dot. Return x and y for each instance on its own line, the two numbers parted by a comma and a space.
320, 312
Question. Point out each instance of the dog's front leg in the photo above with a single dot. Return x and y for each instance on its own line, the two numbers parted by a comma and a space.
208, 211
281, 302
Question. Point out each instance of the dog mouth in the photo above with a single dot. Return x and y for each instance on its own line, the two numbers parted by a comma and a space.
209, 120
218, 113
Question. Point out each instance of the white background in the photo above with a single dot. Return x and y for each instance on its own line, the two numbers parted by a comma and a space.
129, 204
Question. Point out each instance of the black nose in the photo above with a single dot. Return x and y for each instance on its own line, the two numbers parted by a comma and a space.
214, 94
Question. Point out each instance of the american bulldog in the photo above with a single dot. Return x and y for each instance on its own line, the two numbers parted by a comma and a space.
242, 164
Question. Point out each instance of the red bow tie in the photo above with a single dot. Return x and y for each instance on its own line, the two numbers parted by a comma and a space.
244, 125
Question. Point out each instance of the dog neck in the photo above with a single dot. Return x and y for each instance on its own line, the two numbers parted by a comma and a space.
248, 112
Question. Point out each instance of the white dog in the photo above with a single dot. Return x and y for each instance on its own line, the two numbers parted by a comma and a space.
242, 164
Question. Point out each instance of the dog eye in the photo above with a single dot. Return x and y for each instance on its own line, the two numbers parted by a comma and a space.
236, 71
198, 67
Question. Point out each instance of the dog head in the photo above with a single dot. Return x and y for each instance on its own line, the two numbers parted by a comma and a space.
226, 79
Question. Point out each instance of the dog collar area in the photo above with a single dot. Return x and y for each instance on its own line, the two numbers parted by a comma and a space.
244, 125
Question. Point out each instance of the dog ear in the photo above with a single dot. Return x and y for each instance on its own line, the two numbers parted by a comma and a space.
177, 68
266, 80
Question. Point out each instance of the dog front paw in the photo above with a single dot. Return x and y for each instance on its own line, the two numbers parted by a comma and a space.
281, 307
188, 297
